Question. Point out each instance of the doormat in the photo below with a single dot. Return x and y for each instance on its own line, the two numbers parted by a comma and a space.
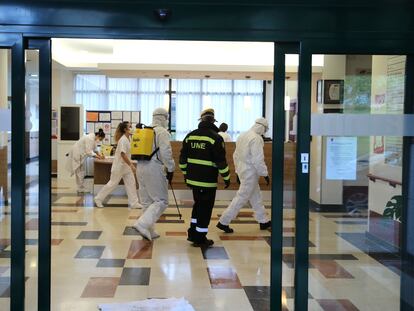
168, 304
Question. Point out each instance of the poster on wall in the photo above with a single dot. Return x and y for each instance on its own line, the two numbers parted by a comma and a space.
115, 123
116, 115
395, 105
341, 158
135, 117
378, 144
90, 127
108, 121
92, 116
126, 116
98, 126
105, 117
107, 128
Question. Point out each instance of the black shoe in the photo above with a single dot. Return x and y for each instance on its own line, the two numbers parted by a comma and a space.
190, 235
204, 244
225, 228
266, 225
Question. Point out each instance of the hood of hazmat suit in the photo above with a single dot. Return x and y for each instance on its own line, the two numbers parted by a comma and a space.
160, 117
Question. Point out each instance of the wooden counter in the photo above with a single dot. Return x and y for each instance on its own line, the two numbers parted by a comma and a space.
102, 170
289, 167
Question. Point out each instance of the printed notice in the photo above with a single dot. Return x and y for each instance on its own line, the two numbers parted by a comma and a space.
135, 117
341, 158
90, 127
115, 123
107, 128
105, 117
126, 116
116, 115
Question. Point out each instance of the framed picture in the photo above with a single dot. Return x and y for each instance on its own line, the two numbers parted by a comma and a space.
333, 91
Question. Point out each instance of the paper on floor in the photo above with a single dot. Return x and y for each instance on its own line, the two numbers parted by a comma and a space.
169, 304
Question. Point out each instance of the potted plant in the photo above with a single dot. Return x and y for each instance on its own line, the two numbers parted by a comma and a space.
394, 207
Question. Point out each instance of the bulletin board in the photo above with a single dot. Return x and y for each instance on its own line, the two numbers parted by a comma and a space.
108, 121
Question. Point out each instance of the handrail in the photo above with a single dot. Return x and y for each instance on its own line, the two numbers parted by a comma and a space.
391, 182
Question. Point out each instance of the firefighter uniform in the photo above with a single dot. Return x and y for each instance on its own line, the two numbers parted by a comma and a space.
202, 157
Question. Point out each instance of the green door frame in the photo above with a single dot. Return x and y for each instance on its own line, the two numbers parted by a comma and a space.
18, 44
307, 48
276, 258
45, 169
18, 172
355, 46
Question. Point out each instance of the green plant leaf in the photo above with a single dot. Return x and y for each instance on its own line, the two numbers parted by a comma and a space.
388, 212
389, 204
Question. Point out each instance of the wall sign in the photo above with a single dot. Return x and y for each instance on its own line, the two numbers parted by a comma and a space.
341, 158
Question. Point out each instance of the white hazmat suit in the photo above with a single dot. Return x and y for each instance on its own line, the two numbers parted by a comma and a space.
153, 184
83, 148
226, 136
120, 170
250, 165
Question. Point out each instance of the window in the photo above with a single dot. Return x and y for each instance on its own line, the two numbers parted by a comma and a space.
236, 102
100, 92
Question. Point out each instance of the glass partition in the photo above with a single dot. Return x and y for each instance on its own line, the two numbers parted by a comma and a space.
356, 166
289, 180
32, 176
5, 177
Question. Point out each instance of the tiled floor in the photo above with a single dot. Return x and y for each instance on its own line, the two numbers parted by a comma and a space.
98, 258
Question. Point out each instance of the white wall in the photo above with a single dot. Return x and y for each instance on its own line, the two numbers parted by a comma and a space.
269, 107
331, 190
315, 161
62, 94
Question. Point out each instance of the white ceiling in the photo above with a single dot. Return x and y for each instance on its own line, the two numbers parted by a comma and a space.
158, 55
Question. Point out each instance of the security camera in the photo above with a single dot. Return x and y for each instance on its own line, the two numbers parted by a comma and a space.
162, 14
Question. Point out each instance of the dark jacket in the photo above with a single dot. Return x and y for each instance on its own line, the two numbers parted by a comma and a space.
203, 156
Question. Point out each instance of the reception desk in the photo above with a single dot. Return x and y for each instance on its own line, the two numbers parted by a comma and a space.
102, 170
289, 166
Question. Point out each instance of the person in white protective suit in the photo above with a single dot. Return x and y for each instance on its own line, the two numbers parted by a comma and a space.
153, 176
122, 168
250, 165
223, 132
83, 148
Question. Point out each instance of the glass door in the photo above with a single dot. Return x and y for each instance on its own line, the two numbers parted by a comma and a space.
353, 194
38, 103
5, 177
12, 173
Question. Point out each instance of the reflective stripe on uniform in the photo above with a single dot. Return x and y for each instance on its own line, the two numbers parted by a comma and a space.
224, 170
201, 162
203, 138
184, 172
193, 220
183, 166
198, 229
201, 184
227, 177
